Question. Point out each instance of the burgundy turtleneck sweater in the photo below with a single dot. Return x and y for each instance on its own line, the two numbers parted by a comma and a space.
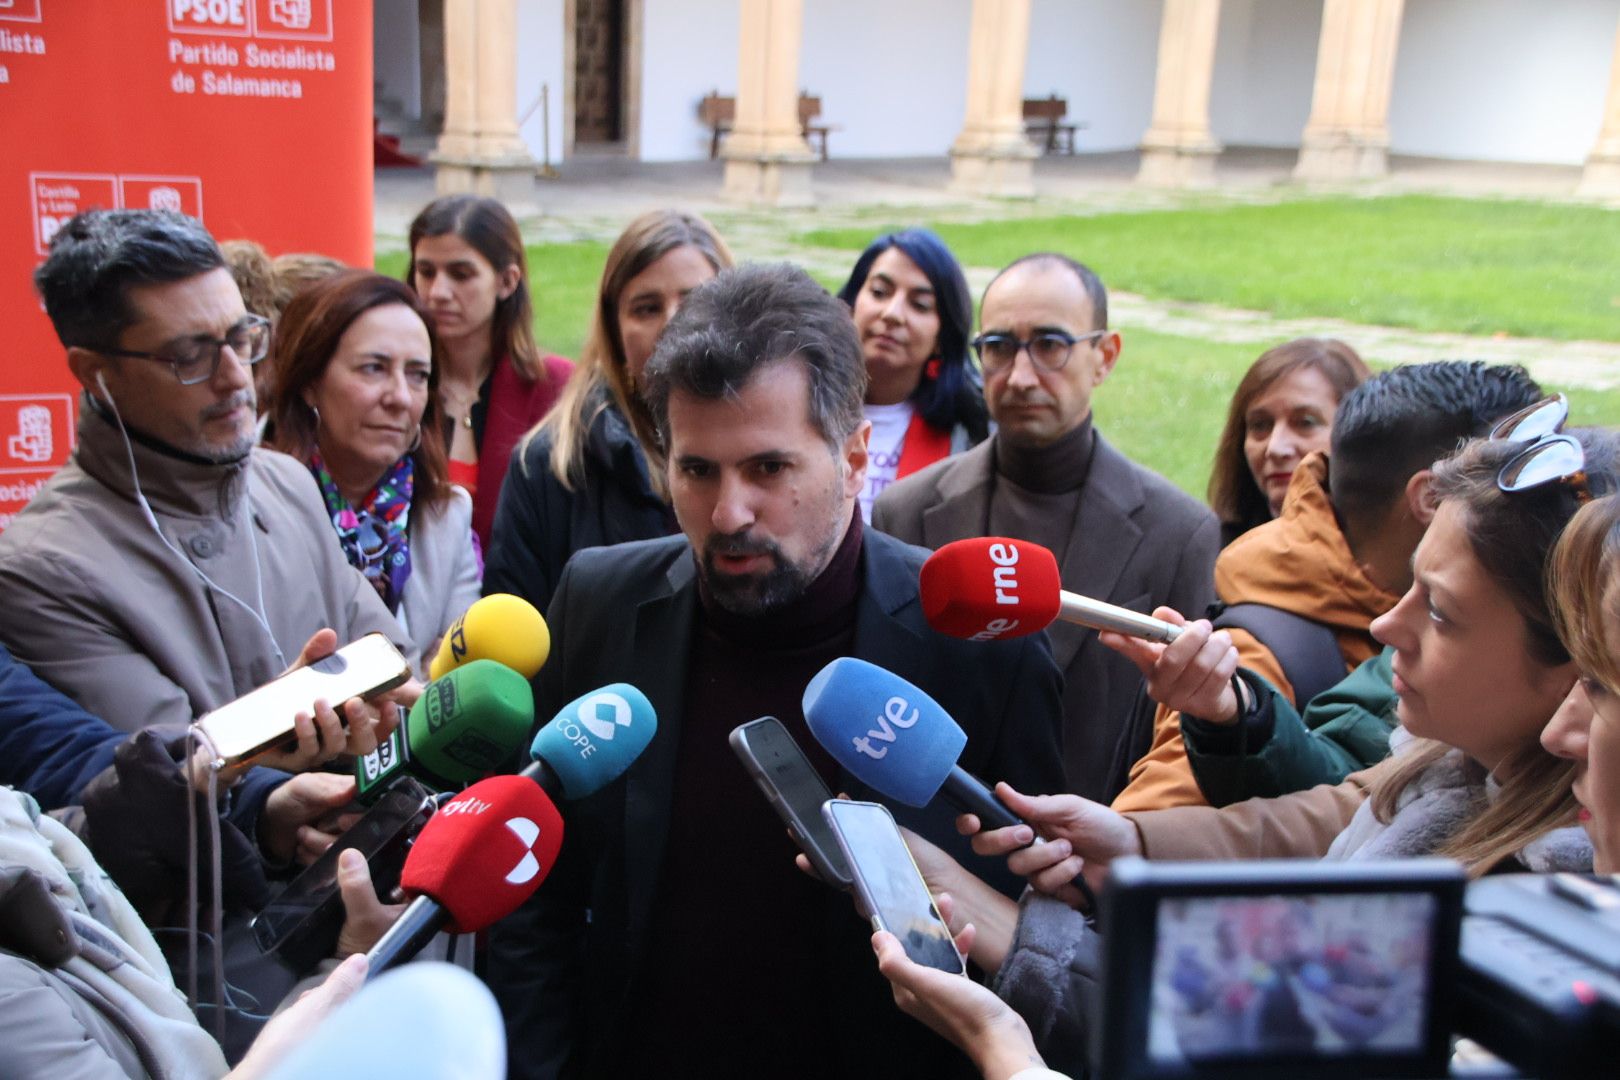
734, 983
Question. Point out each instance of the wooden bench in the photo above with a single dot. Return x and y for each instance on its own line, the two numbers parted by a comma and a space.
719, 113
1043, 121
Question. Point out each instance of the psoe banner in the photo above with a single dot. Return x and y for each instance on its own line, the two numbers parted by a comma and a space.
253, 115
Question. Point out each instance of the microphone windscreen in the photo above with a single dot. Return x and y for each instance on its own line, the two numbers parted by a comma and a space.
428, 1020
485, 851
990, 587
499, 627
887, 732
592, 740
470, 722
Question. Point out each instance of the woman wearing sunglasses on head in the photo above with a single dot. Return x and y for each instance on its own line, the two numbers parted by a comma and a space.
913, 312
356, 366
1478, 673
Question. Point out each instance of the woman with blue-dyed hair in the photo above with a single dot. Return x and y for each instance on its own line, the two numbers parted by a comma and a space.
914, 316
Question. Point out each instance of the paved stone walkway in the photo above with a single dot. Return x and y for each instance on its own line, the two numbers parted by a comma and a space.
595, 197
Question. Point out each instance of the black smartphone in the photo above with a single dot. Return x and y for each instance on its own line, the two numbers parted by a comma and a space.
794, 790
301, 924
888, 886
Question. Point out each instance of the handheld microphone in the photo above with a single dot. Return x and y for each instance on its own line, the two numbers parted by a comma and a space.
499, 627
460, 1035
468, 723
476, 861
897, 740
591, 741
994, 587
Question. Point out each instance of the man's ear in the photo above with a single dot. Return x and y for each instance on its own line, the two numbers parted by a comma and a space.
856, 459
509, 281
1108, 350
86, 364
1420, 500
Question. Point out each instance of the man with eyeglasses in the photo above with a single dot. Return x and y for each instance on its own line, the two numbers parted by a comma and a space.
169, 567
1120, 532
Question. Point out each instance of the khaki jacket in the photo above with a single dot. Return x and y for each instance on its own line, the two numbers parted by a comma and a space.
113, 609
1301, 563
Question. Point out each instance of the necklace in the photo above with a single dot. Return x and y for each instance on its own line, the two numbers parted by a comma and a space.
459, 406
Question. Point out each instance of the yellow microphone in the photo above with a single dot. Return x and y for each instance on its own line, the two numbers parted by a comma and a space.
499, 627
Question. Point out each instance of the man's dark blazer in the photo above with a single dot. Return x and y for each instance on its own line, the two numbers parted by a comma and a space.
1142, 542
564, 968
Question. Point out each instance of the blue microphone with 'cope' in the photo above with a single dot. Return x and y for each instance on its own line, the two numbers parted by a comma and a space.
897, 740
592, 741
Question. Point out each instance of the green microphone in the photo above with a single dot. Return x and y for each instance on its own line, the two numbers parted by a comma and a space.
468, 723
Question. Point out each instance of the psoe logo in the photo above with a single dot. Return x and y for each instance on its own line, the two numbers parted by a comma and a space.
20, 11
32, 442
603, 714
298, 20
181, 194
226, 17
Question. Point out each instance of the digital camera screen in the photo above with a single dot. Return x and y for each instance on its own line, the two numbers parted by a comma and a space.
1257, 977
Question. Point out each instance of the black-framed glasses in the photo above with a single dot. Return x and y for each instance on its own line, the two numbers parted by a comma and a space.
1549, 456
195, 359
1049, 350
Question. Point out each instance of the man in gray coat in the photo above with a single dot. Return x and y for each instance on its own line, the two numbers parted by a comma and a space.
170, 567
1120, 532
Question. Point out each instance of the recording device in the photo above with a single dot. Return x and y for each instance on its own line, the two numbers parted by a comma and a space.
995, 587
897, 740
588, 745
1274, 968
468, 723
303, 921
1540, 972
499, 627
795, 791
889, 889
261, 720
385, 1030
476, 861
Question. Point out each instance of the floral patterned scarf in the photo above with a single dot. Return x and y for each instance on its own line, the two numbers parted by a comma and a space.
375, 536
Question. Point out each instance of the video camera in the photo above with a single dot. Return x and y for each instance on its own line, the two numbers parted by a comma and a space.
1285, 969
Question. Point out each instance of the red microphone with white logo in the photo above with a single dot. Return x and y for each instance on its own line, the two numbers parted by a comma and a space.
476, 861
995, 587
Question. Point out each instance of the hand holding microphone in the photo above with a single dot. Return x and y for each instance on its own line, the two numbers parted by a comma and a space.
1191, 675
995, 587
1082, 839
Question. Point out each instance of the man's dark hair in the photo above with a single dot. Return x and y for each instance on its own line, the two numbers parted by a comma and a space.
97, 256
746, 318
1088, 281
1402, 421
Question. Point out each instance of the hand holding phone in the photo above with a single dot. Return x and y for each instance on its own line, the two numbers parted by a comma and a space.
889, 889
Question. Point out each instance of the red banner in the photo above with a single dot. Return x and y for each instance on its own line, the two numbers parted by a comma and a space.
254, 115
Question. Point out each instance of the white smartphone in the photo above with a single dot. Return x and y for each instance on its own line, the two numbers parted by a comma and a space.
262, 719
889, 889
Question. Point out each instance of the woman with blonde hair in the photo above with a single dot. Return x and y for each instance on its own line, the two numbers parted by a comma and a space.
590, 474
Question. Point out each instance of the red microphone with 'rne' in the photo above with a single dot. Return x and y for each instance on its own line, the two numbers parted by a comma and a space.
994, 587
476, 861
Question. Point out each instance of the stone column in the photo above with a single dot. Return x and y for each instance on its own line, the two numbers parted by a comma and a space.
1347, 136
1178, 149
480, 150
767, 160
1601, 177
992, 155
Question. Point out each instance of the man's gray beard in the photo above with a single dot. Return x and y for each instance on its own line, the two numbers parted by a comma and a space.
243, 446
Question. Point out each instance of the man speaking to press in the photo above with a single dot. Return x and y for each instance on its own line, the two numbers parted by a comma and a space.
675, 933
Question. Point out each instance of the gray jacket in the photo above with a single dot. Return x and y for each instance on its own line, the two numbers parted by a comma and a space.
112, 608
445, 576
1142, 543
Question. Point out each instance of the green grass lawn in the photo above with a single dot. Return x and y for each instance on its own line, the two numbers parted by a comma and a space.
1431, 263
1548, 271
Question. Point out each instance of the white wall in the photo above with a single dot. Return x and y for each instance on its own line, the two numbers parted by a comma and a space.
892, 76
540, 60
1101, 56
1265, 67
396, 46
689, 48
1503, 80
